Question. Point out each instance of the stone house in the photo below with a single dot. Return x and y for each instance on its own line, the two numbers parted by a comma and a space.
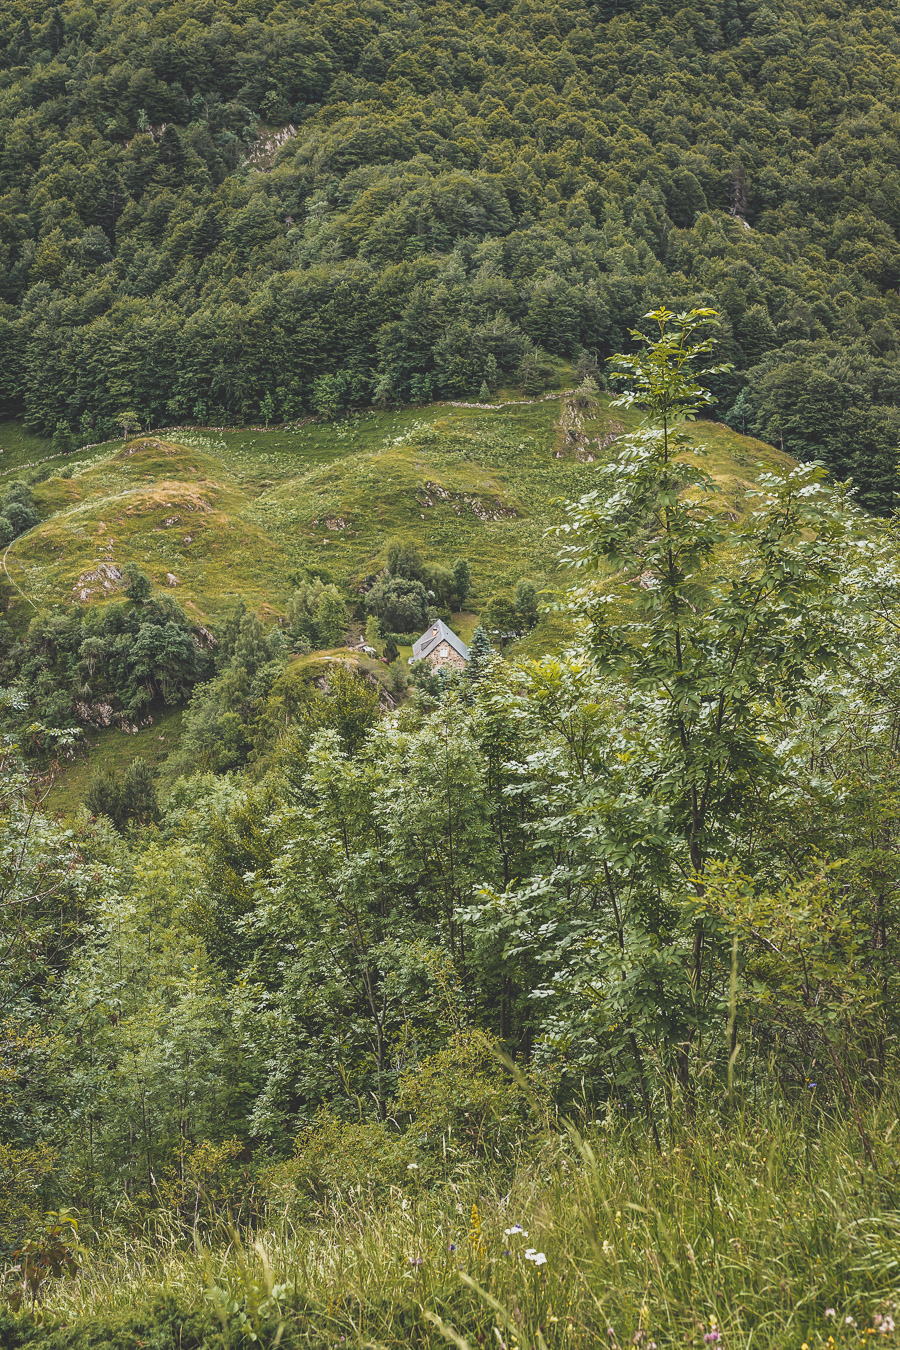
440, 646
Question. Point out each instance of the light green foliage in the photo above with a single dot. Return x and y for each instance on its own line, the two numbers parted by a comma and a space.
362, 987
337, 1158
303, 614
157, 1053
244, 516
709, 658
373, 1248
461, 1103
373, 632
501, 617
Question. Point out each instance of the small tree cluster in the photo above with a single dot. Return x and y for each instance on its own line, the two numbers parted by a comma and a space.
221, 722
18, 512
510, 616
317, 615
127, 800
410, 593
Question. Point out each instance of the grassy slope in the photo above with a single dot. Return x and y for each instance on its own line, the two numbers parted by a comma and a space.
246, 514
153, 743
763, 1225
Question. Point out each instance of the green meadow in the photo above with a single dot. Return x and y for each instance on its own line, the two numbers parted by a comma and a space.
224, 516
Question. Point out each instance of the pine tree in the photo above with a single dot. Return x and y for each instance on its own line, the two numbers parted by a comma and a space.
137, 795
480, 653
526, 603
331, 617
462, 581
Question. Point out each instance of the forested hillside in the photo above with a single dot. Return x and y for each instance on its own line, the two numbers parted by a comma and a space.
549, 998
248, 210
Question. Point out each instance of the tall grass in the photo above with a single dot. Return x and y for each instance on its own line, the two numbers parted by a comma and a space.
747, 1230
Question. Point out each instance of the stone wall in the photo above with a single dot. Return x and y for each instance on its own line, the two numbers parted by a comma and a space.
444, 655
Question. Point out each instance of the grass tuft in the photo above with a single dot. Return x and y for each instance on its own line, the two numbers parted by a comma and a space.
756, 1230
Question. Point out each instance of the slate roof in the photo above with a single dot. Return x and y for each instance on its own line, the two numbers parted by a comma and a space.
433, 637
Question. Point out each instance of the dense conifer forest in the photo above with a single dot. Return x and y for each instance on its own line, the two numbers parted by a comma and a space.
548, 1002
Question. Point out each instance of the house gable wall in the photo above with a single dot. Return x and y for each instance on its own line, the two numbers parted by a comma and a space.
444, 655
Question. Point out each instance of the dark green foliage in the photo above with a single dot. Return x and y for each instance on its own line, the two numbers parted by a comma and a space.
403, 560
103, 796
17, 512
316, 616
526, 602
462, 579
400, 604
505, 617
446, 587
139, 586
106, 664
221, 721
480, 653
163, 1324
129, 800
464, 195
350, 707
839, 404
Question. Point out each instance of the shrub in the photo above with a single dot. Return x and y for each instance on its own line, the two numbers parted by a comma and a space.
462, 1097
335, 1159
130, 799
401, 604
317, 613
139, 587
526, 603
501, 616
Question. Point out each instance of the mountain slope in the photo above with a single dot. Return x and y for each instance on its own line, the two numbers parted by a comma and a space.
231, 212
224, 516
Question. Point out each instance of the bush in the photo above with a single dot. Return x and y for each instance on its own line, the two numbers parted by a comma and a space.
316, 614
139, 587
501, 616
403, 560
399, 676
373, 633
128, 800
18, 510
401, 604
526, 603
335, 1159
462, 1097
